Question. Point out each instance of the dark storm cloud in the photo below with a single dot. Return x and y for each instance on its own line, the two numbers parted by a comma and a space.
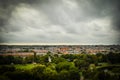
115, 14
113, 10
116, 18
6, 8
103, 8
67, 20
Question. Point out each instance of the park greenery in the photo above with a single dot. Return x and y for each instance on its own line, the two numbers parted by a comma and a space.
61, 67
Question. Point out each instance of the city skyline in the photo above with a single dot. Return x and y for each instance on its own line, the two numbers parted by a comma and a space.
86, 22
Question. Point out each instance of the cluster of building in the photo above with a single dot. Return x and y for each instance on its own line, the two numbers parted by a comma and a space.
56, 49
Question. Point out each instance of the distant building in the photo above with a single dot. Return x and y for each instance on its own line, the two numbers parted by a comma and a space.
26, 50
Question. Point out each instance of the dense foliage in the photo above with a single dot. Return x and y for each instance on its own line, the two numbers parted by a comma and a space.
61, 67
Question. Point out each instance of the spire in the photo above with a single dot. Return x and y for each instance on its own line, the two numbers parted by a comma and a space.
49, 59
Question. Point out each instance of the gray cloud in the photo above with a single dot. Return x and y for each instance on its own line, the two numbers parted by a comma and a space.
75, 21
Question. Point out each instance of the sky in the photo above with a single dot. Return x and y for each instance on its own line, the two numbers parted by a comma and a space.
60, 21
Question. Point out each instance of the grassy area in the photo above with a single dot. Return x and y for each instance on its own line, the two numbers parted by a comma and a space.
30, 66
25, 67
102, 64
108, 66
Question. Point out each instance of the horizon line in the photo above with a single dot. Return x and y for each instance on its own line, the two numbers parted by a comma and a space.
52, 44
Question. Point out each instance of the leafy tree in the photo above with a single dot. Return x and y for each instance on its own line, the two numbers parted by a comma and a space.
2, 61
28, 59
64, 66
34, 56
58, 60
43, 59
19, 75
81, 64
2, 77
64, 75
38, 72
74, 74
50, 74
4, 69
113, 57
69, 57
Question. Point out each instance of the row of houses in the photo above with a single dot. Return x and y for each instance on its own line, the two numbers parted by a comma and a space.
65, 49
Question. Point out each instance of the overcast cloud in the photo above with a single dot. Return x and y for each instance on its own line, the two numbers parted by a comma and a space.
60, 21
